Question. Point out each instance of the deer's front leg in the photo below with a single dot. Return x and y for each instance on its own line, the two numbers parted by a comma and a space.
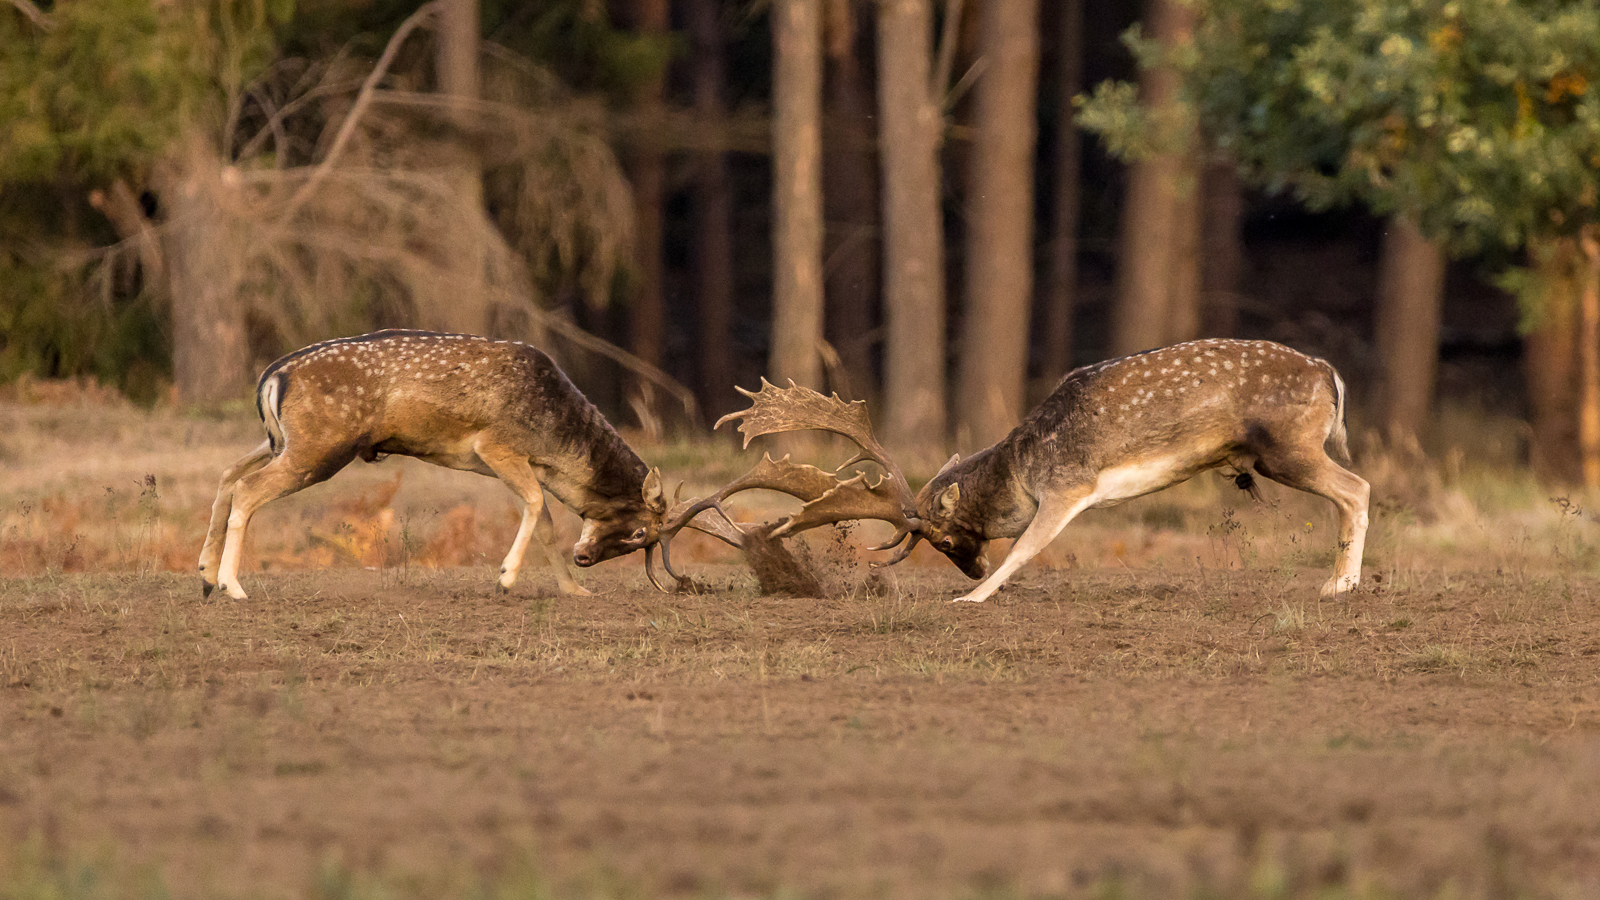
536, 518
517, 473
1055, 511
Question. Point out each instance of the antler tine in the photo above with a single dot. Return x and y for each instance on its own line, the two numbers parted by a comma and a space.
776, 410
827, 500
853, 498
650, 568
802, 481
900, 534
900, 555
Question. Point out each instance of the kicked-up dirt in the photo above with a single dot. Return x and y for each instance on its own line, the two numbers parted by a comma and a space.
1139, 733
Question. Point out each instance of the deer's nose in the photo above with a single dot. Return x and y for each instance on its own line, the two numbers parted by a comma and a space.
583, 558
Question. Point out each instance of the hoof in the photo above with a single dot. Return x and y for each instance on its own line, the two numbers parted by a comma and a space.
1336, 586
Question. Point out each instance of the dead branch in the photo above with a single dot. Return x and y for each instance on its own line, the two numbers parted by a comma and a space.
34, 14
363, 99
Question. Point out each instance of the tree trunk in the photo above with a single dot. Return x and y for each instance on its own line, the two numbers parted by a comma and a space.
211, 362
712, 212
1061, 284
1589, 359
797, 192
999, 270
643, 160
459, 83
850, 195
1184, 281
1410, 299
1150, 230
457, 60
1549, 359
1221, 249
913, 238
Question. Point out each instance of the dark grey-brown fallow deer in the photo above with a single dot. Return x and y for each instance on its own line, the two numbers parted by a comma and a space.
499, 408
1108, 433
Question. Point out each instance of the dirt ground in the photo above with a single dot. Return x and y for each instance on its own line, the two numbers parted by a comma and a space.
1140, 731
1158, 707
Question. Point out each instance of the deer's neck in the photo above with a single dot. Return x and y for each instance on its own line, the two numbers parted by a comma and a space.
590, 468
997, 499
1055, 442
1044, 451
613, 477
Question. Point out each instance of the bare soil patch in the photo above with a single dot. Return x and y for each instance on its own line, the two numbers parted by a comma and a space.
1221, 731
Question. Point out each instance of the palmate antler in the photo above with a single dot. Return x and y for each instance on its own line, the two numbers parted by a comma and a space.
806, 482
775, 410
828, 498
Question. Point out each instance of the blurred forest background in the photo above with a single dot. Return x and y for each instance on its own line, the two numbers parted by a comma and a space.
935, 205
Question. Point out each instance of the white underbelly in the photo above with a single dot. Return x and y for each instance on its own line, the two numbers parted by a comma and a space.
1120, 483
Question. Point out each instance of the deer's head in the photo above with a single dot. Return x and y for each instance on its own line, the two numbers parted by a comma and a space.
950, 527
645, 523
623, 526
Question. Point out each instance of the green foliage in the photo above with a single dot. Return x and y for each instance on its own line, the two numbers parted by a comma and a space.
52, 329
1113, 111
1479, 117
102, 92
108, 86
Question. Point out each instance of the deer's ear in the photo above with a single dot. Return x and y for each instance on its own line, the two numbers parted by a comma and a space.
949, 465
654, 499
948, 500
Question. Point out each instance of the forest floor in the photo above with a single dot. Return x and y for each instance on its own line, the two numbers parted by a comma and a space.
1160, 707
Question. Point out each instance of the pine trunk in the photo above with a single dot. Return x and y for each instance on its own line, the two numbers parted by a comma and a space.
1589, 359
1140, 318
999, 270
643, 160
1184, 282
1549, 359
1221, 249
913, 239
797, 190
459, 83
1410, 300
1061, 284
712, 213
850, 193
211, 362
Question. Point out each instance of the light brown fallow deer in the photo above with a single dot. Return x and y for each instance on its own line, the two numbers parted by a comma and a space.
499, 408
1109, 432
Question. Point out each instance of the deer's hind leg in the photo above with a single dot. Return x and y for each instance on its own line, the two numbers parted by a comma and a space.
518, 475
1314, 472
217, 532
280, 477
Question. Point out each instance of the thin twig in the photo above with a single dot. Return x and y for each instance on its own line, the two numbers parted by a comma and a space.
34, 14
274, 126
363, 99
949, 36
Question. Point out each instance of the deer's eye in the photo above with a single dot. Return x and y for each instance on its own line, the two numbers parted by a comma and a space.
637, 536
